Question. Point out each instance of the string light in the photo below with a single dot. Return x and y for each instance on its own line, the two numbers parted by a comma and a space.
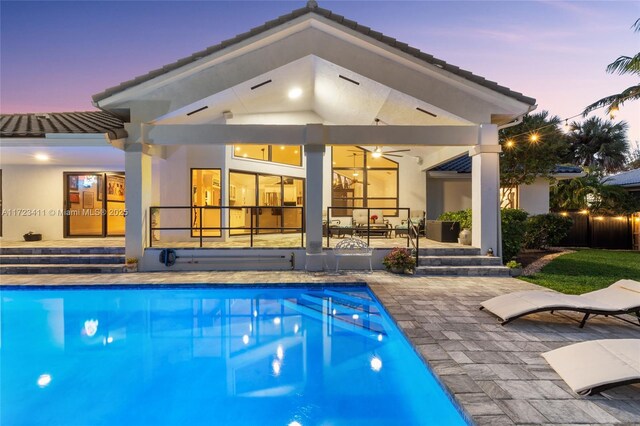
510, 143
534, 137
612, 113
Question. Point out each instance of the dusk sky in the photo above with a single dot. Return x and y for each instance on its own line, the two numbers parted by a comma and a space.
55, 55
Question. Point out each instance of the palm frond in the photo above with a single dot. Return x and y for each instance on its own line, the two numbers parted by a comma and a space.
625, 65
614, 101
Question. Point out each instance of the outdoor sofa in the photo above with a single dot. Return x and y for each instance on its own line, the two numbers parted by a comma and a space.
621, 297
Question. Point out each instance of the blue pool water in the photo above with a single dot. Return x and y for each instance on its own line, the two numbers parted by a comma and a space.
205, 356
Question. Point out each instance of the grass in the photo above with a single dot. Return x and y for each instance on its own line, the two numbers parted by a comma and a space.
587, 270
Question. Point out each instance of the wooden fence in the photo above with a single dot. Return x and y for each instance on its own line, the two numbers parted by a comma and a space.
607, 232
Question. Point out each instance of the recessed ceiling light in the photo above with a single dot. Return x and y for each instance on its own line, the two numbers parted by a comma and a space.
41, 156
295, 93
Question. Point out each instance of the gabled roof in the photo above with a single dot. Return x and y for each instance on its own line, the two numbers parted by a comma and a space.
630, 178
39, 124
313, 8
463, 165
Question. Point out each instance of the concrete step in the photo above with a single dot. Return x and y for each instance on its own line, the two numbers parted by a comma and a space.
59, 250
61, 269
464, 271
460, 261
450, 251
59, 259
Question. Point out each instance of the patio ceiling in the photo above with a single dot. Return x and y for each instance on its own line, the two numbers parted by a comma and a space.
328, 94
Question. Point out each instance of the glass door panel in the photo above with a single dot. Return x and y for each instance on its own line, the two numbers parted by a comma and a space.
293, 196
116, 189
270, 199
242, 192
84, 206
206, 193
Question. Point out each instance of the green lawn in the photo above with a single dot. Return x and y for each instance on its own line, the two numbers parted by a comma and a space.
588, 270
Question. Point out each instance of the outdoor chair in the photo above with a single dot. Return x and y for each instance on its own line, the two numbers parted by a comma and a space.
417, 219
352, 247
594, 366
621, 297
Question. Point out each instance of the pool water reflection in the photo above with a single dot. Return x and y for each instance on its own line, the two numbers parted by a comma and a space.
190, 356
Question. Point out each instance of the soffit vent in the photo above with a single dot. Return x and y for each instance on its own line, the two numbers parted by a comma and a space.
260, 85
426, 112
195, 111
349, 80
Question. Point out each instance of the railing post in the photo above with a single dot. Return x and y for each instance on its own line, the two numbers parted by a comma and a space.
368, 225
251, 227
150, 227
303, 226
201, 226
329, 225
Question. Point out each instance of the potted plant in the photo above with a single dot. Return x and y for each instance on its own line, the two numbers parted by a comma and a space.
131, 264
463, 217
515, 268
399, 260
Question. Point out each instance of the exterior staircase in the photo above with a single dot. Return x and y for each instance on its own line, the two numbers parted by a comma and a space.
61, 260
459, 262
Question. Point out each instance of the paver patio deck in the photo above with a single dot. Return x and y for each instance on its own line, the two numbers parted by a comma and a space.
496, 373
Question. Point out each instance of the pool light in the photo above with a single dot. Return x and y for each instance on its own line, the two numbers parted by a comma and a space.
376, 364
275, 366
277, 320
44, 380
280, 352
295, 423
355, 316
379, 337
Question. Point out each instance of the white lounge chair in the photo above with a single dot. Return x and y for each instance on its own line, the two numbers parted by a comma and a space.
621, 297
593, 366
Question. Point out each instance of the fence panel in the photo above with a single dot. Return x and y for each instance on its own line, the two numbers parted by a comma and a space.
607, 232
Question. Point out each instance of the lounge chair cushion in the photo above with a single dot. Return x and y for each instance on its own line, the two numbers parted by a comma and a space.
624, 295
597, 363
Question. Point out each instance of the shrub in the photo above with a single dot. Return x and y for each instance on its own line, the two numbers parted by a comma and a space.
399, 258
513, 230
546, 230
461, 216
512, 264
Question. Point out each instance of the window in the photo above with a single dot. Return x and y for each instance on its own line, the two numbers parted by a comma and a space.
271, 193
359, 180
283, 154
205, 192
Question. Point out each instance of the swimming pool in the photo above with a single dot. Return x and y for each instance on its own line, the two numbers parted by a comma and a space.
210, 356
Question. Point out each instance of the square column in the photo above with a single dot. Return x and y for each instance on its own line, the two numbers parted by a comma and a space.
485, 190
137, 166
313, 206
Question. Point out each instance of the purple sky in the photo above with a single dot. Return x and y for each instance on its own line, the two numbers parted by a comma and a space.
55, 55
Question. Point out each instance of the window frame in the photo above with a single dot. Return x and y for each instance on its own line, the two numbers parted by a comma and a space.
269, 155
197, 229
365, 180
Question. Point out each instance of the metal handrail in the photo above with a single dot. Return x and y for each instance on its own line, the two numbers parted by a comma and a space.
368, 227
252, 228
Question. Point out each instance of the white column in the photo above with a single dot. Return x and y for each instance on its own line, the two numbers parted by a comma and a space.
137, 166
485, 190
313, 206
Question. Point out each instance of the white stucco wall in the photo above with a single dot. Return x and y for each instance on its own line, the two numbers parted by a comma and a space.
37, 188
445, 195
534, 198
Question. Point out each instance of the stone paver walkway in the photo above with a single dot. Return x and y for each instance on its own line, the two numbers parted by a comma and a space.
496, 373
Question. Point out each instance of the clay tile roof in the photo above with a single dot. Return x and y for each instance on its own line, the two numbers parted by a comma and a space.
312, 8
36, 125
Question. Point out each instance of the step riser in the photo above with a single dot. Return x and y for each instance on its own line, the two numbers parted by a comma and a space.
461, 261
464, 272
5, 260
60, 250
450, 252
20, 270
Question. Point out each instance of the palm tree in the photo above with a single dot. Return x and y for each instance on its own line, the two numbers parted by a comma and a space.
622, 65
599, 144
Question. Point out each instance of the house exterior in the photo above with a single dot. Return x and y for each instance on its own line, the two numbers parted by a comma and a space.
266, 130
